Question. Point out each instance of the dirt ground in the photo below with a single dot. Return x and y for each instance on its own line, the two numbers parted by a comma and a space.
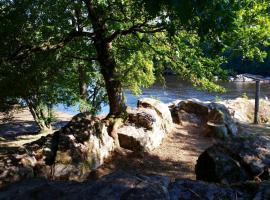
175, 158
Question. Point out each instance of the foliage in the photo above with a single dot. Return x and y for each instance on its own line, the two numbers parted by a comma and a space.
125, 44
245, 96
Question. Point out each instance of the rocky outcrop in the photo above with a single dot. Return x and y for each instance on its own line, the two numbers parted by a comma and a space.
120, 186
242, 109
68, 154
242, 78
83, 145
240, 159
215, 119
146, 126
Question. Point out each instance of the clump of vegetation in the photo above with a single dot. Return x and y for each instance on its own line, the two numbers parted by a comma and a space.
218, 98
245, 96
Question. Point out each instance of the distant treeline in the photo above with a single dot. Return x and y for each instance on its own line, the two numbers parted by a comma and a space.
237, 65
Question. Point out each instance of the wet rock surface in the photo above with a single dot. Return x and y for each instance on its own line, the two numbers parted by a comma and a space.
243, 158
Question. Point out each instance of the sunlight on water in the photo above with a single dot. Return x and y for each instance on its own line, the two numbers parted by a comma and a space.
178, 89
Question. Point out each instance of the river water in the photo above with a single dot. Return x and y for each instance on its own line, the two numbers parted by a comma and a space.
179, 89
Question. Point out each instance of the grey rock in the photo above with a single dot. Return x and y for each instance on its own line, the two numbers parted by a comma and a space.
69, 154
84, 144
146, 126
239, 159
221, 115
215, 119
161, 109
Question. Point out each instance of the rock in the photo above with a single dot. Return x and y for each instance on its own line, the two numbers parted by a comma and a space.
115, 186
161, 109
254, 152
84, 144
185, 118
69, 154
216, 165
219, 114
239, 159
121, 185
195, 107
188, 189
146, 126
215, 119
217, 130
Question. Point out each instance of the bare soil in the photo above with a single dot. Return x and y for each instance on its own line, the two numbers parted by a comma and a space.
175, 158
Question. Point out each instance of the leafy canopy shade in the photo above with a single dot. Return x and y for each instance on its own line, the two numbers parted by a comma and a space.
128, 42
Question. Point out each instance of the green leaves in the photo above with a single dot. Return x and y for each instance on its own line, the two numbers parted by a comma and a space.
139, 36
251, 30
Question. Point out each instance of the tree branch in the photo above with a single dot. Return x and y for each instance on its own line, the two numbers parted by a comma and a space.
25, 50
80, 58
139, 28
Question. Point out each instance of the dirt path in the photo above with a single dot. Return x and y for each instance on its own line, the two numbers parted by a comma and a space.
176, 157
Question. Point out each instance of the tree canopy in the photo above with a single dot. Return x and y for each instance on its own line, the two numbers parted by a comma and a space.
119, 44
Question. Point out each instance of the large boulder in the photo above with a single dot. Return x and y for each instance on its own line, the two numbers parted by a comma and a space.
146, 126
84, 143
219, 114
68, 154
240, 159
161, 109
215, 119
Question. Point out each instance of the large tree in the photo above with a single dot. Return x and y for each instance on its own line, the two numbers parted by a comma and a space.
128, 39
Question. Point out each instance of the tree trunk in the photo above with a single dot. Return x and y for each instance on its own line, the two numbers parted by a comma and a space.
107, 62
82, 86
42, 119
115, 95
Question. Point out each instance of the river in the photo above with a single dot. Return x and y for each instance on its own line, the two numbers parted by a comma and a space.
179, 89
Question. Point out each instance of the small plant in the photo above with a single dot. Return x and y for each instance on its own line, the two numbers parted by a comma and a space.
218, 98
245, 96
154, 97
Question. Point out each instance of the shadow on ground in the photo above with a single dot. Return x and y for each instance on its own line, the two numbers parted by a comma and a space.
254, 129
18, 128
175, 158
